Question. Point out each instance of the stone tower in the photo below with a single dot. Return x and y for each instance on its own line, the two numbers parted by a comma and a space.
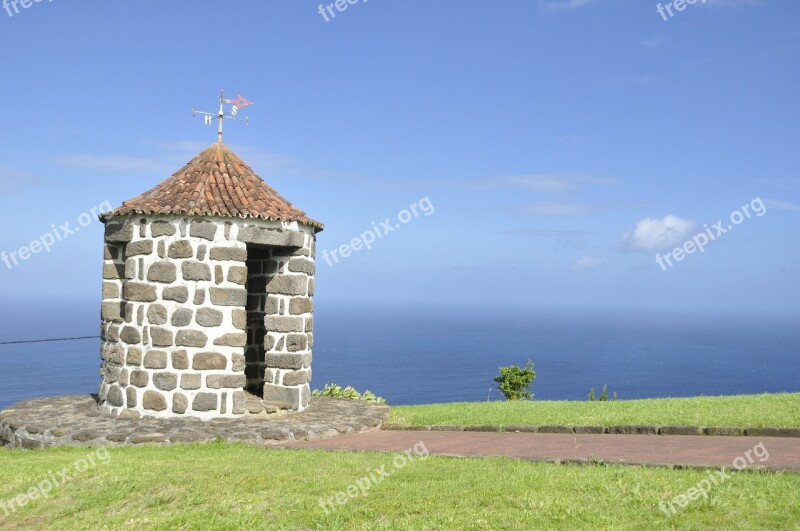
207, 306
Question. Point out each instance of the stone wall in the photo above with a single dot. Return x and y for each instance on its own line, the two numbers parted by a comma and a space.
175, 318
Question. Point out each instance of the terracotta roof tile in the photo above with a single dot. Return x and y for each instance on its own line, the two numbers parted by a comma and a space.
215, 183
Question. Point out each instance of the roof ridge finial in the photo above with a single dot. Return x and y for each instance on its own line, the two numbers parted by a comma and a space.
237, 104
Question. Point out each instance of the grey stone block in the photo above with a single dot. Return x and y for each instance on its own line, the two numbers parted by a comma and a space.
296, 343
140, 378
130, 394
299, 265
115, 396
162, 228
238, 403
262, 236
180, 249
556, 429
164, 272
130, 335
772, 432
232, 381
155, 359
296, 378
118, 231
139, 248
112, 271
283, 323
154, 401
180, 360
279, 393
134, 356
178, 294
232, 340
209, 317
130, 269
139, 292
235, 254
205, 402
203, 229
166, 381
110, 252
239, 319
179, 403
195, 271
112, 353
199, 296
237, 275
288, 285
228, 296
190, 382
191, 338
287, 361
111, 290
182, 317
156, 314
111, 311
300, 305
209, 361
161, 337
680, 430
633, 430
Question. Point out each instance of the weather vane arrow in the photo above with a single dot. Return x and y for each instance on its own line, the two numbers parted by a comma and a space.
236, 105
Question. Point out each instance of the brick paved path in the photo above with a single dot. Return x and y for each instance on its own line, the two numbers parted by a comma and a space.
784, 453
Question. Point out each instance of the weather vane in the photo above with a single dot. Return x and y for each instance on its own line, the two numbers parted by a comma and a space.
237, 104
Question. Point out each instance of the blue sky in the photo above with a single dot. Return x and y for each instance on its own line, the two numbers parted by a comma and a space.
562, 144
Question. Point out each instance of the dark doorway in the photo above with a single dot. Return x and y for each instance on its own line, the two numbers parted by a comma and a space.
255, 353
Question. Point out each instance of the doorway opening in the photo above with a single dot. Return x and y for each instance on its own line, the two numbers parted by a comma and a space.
255, 352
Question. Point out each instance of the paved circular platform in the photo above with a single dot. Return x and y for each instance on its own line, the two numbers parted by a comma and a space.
76, 420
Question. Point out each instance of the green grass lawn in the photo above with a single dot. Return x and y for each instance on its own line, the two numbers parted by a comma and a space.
221, 486
768, 410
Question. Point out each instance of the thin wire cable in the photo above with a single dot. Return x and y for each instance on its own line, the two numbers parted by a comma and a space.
30, 341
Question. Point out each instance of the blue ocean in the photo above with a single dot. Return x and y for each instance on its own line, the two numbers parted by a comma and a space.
413, 355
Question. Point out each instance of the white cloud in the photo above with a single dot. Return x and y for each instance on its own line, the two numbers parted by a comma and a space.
172, 156
587, 262
536, 183
782, 205
114, 164
565, 5
732, 3
653, 235
653, 42
791, 269
547, 233
10, 180
556, 208
635, 80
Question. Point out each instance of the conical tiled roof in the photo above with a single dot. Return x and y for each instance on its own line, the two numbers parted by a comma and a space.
215, 183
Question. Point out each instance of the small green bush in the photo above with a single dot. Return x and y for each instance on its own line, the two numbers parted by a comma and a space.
603, 395
336, 391
515, 382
